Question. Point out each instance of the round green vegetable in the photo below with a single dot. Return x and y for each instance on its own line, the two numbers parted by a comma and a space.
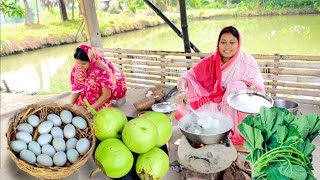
114, 158
153, 164
108, 122
163, 125
140, 135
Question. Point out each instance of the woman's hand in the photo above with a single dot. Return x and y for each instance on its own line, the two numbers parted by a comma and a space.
182, 98
74, 97
106, 94
251, 89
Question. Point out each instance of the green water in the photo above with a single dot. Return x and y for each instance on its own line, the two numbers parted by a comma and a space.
48, 70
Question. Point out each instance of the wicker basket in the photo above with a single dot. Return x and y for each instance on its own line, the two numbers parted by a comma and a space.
42, 110
144, 104
157, 91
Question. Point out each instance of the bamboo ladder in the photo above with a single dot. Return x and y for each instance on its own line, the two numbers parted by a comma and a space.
290, 77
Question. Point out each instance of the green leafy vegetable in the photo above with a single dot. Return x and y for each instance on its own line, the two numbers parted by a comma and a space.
280, 143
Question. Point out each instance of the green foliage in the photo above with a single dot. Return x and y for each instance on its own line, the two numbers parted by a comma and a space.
11, 8
317, 5
133, 9
280, 143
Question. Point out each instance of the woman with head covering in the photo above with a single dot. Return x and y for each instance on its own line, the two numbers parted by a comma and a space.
210, 81
96, 79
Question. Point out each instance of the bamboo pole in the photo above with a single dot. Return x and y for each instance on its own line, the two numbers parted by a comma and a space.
293, 85
296, 79
300, 100
281, 71
166, 53
302, 65
294, 92
287, 57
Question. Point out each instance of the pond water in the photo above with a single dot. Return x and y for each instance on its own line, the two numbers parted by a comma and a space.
48, 70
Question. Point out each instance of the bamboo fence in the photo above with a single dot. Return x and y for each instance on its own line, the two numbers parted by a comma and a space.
286, 76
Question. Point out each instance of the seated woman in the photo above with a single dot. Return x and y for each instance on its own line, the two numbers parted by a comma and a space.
209, 82
96, 79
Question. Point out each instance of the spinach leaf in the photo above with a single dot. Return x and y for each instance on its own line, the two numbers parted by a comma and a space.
302, 125
308, 148
293, 171
274, 173
248, 120
282, 132
254, 156
258, 139
248, 133
268, 117
312, 120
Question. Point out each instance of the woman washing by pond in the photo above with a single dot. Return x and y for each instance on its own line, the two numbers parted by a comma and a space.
209, 82
96, 79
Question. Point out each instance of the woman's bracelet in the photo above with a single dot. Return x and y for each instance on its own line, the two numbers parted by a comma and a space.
182, 91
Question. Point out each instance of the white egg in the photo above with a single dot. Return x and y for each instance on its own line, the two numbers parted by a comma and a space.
59, 144
60, 158
18, 145
25, 127
55, 119
69, 131
66, 116
83, 145
45, 160
72, 155
27, 156
34, 147
33, 120
48, 150
79, 122
71, 143
45, 127
57, 132
24, 136
44, 139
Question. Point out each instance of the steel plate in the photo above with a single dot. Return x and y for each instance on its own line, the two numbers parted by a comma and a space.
164, 107
249, 102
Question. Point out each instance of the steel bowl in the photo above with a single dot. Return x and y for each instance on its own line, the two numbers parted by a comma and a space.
164, 107
208, 138
289, 105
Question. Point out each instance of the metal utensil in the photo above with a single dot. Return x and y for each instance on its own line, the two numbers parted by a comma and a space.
249, 102
225, 125
201, 120
192, 110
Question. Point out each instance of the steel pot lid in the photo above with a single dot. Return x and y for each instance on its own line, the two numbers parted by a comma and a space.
164, 107
249, 102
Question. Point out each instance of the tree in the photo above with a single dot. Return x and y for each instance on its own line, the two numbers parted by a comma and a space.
28, 16
72, 10
63, 10
11, 9
38, 19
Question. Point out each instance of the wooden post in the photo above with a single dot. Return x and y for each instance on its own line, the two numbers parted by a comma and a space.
91, 21
276, 67
163, 69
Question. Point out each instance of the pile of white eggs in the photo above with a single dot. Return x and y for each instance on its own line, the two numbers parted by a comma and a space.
56, 142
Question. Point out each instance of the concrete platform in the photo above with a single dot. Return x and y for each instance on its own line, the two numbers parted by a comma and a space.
10, 103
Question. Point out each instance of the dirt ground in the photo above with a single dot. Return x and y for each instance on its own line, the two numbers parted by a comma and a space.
11, 102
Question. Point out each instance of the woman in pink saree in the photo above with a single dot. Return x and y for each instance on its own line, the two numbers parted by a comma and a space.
210, 81
96, 79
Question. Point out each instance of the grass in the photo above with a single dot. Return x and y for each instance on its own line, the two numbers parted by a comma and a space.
52, 31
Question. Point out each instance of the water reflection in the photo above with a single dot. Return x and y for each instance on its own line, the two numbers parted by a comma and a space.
48, 69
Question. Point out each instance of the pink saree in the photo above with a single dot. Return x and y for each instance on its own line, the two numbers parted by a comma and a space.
101, 73
209, 85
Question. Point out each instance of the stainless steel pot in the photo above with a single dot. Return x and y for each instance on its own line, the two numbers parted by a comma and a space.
205, 137
289, 105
